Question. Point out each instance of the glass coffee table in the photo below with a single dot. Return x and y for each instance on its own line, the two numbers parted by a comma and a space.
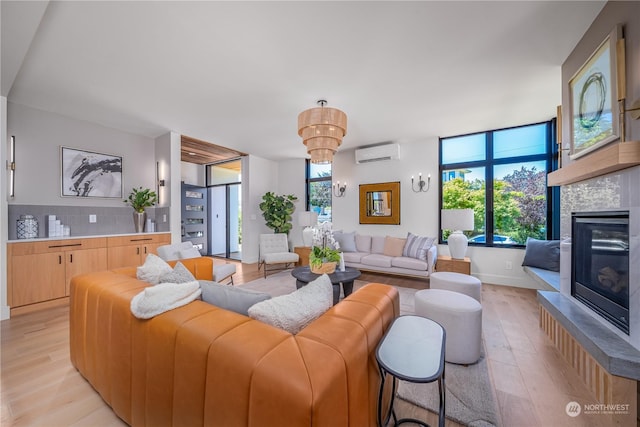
412, 350
304, 275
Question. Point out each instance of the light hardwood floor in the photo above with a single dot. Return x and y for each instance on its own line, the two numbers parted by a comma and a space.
532, 383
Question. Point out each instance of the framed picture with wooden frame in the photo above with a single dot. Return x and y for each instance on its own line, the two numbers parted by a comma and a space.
593, 92
380, 203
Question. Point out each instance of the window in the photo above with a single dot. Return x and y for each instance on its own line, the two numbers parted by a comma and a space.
517, 204
319, 190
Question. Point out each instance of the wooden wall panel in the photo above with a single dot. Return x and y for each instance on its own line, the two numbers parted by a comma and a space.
605, 388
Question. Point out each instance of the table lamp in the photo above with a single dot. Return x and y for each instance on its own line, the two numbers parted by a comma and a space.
457, 220
307, 219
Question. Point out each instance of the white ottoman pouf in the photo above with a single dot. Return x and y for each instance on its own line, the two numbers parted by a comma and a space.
457, 282
460, 316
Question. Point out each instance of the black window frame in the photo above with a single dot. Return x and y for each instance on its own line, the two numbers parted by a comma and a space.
552, 196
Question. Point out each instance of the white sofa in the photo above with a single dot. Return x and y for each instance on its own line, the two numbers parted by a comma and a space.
380, 254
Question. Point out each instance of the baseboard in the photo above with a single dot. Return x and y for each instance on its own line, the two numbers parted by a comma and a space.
497, 279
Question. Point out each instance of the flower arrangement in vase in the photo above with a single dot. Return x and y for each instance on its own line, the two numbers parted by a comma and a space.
325, 253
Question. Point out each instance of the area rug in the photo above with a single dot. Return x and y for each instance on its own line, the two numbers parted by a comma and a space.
469, 394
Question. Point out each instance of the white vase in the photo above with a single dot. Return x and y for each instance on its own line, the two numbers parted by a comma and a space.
457, 244
307, 236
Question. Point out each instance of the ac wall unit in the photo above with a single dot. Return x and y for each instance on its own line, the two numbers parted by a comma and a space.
378, 153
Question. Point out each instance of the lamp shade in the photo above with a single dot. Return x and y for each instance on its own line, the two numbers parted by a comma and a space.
307, 218
457, 219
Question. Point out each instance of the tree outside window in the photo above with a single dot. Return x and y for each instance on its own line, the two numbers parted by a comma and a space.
516, 161
319, 190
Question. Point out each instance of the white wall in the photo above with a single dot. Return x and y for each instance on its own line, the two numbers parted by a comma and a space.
258, 176
168, 154
192, 174
419, 212
39, 135
291, 180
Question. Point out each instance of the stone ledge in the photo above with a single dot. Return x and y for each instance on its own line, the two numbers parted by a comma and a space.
549, 280
612, 352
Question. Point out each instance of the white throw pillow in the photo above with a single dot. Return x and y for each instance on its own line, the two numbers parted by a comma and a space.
294, 311
191, 252
153, 268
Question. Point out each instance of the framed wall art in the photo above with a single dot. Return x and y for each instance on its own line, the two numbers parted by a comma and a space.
89, 174
594, 116
380, 203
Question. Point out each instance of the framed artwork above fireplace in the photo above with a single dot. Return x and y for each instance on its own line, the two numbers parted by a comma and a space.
593, 95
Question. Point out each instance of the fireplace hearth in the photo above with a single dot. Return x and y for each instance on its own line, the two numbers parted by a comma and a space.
600, 264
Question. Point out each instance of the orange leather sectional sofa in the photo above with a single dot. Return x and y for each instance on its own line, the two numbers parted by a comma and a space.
202, 365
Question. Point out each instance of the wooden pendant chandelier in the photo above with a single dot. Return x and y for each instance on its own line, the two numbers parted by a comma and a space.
322, 130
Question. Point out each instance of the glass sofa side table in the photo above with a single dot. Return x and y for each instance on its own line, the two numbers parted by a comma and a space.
412, 350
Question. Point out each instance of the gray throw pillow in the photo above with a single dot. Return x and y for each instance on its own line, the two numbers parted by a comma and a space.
347, 241
417, 246
229, 297
179, 274
543, 254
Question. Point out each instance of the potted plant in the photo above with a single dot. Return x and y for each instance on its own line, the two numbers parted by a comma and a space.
277, 211
323, 260
139, 199
325, 253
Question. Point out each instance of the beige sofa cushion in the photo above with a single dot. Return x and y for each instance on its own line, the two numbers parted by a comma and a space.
393, 246
354, 257
377, 244
377, 260
363, 243
412, 263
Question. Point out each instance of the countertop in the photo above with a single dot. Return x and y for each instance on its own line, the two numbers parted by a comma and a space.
44, 239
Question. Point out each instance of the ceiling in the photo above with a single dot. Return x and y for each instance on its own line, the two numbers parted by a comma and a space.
237, 74
203, 153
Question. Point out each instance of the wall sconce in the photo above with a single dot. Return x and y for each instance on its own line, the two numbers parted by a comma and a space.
421, 184
159, 182
11, 165
341, 189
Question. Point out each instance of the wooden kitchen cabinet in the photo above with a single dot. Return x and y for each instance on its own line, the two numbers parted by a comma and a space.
36, 278
128, 251
41, 271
